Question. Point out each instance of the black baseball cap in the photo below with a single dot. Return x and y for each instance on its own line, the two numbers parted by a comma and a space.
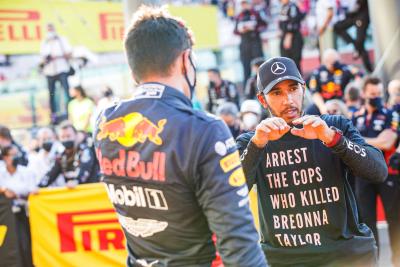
275, 70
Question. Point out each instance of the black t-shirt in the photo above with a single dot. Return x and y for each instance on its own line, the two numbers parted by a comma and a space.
308, 214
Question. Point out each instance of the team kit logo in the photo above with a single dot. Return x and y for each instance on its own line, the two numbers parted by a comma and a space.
131, 129
278, 68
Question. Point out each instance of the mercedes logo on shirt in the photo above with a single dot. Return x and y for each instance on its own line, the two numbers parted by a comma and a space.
278, 68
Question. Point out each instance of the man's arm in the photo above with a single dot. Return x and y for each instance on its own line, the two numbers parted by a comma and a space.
364, 160
384, 141
222, 194
250, 155
87, 160
51, 175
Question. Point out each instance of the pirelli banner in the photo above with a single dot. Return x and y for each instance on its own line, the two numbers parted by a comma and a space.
75, 227
99, 26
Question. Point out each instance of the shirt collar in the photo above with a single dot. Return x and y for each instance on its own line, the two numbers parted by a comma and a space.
161, 91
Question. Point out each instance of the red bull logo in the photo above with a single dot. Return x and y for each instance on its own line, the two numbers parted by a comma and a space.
131, 129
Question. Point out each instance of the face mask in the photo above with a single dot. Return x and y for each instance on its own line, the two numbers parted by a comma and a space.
375, 102
108, 93
250, 121
15, 161
36, 149
47, 146
212, 84
51, 35
68, 144
192, 87
396, 107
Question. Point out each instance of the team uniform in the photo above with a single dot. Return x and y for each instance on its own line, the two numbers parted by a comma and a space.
170, 172
388, 191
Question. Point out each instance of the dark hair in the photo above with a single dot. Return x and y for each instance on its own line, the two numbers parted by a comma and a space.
353, 92
5, 132
371, 80
80, 89
154, 40
215, 70
66, 125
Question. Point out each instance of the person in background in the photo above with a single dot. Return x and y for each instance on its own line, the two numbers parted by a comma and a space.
220, 91
394, 95
337, 107
352, 98
325, 15
16, 182
229, 113
379, 126
80, 109
329, 80
49, 149
249, 25
250, 115
357, 15
290, 18
77, 163
56, 53
7, 140
107, 99
250, 90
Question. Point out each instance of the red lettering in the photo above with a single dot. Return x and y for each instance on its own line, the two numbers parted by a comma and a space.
147, 173
67, 224
111, 26
118, 164
132, 166
161, 169
108, 237
86, 241
20, 25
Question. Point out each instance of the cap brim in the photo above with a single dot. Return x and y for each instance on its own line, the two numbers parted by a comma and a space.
284, 78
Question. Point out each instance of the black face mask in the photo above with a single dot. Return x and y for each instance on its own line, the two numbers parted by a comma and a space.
108, 93
192, 87
47, 146
212, 84
36, 149
375, 102
68, 144
15, 161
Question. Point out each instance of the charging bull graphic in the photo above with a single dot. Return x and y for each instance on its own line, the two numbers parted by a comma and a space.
131, 129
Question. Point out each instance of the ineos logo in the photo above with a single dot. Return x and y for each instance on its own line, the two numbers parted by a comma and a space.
278, 68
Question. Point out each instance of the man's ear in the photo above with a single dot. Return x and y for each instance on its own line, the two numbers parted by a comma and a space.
262, 100
185, 61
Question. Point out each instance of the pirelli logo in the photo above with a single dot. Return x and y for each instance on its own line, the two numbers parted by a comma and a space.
3, 233
20, 25
91, 230
111, 26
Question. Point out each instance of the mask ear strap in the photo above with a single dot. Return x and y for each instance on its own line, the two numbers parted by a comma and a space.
191, 86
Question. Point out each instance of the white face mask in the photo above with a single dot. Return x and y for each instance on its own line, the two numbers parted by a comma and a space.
51, 35
250, 121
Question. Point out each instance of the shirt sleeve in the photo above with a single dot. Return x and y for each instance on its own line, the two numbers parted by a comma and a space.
87, 161
222, 194
362, 159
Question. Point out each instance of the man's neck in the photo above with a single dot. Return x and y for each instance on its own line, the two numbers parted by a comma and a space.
370, 110
11, 169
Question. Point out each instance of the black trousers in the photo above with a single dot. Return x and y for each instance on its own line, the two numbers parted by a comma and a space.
295, 51
24, 237
51, 83
389, 192
249, 50
361, 23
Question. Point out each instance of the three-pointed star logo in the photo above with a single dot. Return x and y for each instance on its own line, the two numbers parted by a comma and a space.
278, 68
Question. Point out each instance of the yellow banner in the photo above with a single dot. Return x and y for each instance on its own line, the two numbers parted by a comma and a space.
75, 227
99, 26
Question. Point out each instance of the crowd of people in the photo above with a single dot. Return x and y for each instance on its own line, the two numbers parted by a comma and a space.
63, 153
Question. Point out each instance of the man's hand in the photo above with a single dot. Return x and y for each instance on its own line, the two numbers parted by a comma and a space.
269, 130
10, 194
313, 128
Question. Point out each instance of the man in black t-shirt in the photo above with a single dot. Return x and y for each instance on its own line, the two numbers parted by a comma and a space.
301, 164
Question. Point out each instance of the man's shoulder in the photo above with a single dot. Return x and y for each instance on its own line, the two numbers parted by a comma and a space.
337, 121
